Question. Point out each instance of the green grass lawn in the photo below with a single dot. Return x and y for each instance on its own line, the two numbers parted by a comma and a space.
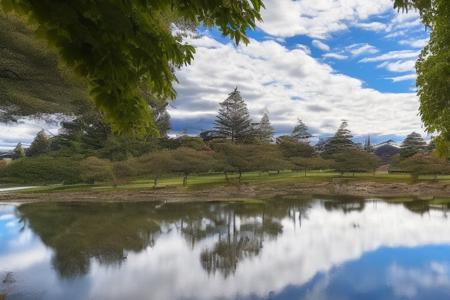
199, 181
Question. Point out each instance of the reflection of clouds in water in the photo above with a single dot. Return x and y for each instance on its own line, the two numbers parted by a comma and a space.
326, 239
406, 282
171, 269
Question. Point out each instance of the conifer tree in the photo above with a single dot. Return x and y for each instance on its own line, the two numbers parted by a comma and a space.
19, 152
340, 142
368, 145
265, 130
233, 120
301, 132
40, 144
413, 144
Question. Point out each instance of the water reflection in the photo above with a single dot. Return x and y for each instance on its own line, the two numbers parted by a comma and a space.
281, 249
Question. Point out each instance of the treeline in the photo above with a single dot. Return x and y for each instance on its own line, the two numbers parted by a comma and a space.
86, 150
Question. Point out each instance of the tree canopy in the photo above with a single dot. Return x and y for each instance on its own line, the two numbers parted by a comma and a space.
119, 46
433, 69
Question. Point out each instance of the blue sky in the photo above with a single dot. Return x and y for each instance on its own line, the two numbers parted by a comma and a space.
318, 60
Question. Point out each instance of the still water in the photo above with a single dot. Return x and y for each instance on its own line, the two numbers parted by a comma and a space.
278, 249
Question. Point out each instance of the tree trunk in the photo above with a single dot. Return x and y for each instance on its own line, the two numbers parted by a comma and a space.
278, 172
185, 180
226, 176
240, 176
305, 172
155, 182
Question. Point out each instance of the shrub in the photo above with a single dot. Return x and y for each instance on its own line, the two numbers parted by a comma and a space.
42, 169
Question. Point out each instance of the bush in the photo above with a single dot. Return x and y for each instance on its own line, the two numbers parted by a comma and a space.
42, 169
94, 169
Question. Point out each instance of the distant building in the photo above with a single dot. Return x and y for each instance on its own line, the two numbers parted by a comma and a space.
386, 150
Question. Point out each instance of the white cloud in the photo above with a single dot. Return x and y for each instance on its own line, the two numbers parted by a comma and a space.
399, 66
317, 18
404, 77
360, 49
290, 84
335, 56
392, 55
320, 45
420, 43
25, 130
372, 26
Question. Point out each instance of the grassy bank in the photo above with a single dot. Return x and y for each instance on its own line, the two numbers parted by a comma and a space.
199, 182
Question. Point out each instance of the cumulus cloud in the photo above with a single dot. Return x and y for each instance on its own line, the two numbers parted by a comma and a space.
399, 66
320, 45
317, 18
287, 82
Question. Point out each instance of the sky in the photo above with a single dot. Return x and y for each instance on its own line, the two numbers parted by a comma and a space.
318, 60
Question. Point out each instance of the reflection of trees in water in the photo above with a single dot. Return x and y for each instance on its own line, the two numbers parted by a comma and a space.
345, 205
424, 206
79, 232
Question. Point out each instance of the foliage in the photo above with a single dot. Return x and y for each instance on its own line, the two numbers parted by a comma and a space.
265, 130
340, 142
94, 169
267, 158
118, 46
155, 165
355, 160
311, 163
234, 158
433, 69
413, 143
19, 152
291, 147
31, 82
40, 144
42, 169
301, 132
187, 161
233, 120
424, 164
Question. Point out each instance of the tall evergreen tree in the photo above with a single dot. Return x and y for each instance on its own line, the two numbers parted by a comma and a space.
265, 130
413, 144
40, 144
233, 120
340, 142
368, 145
301, 132
19, 152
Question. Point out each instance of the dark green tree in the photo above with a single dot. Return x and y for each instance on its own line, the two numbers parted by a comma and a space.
301, 132
368, 145
40, 144
117, 46
413, 144
340, 142
265, 130
233, 120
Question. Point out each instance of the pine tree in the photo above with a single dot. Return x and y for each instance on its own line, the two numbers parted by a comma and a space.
301, 132
40, 144
368, 145
413, 144
265, 130
19, 152
340, 142
233, 120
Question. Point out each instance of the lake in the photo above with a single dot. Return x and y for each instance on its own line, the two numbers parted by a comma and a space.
286, 248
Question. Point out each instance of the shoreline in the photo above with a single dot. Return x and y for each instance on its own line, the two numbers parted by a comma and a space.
244, 191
